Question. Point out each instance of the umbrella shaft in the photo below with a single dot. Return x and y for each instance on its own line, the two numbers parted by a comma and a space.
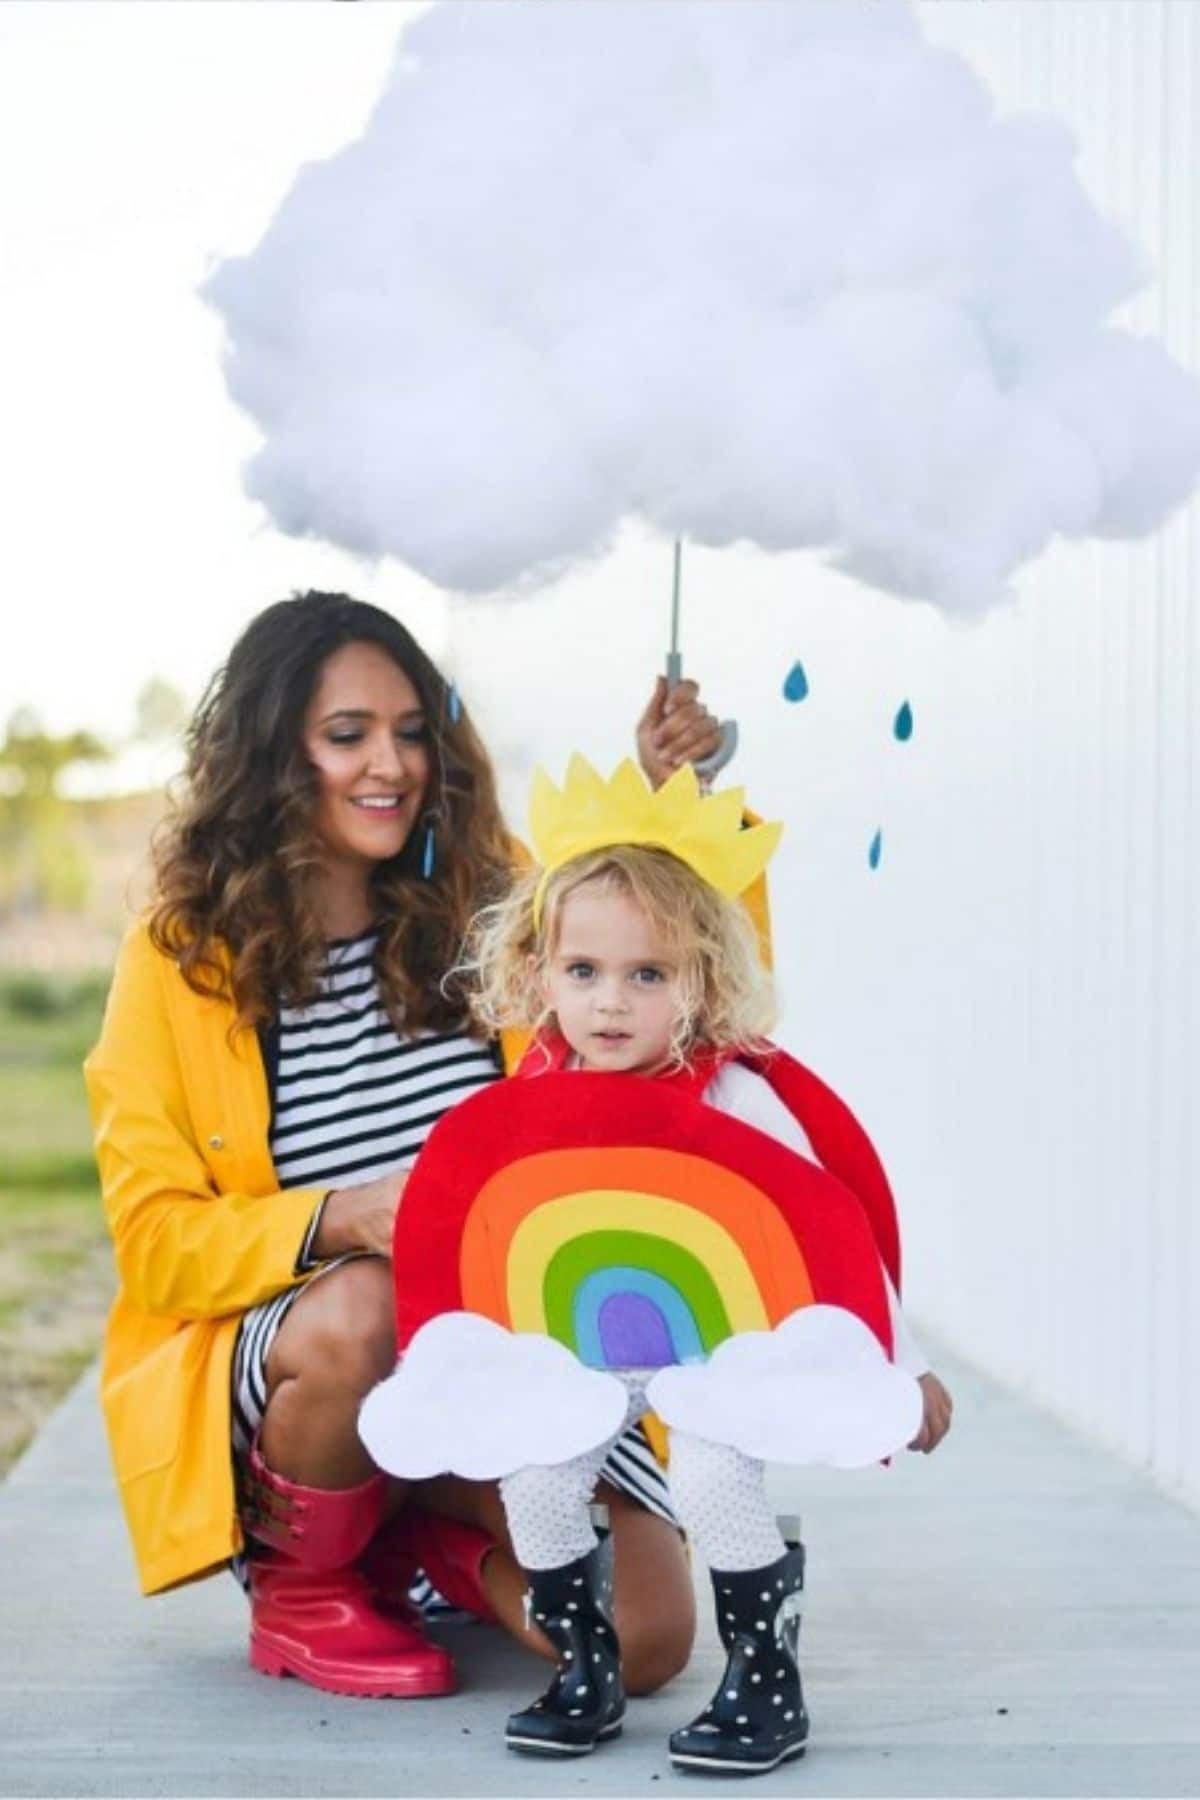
674, 659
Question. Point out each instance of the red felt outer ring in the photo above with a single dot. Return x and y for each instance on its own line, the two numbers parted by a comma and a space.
839, 1142
571, 1110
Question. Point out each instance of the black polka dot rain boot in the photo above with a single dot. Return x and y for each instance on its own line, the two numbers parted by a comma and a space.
585, 1703
756, 1718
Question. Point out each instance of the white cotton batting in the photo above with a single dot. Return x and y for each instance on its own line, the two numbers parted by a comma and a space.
776, 274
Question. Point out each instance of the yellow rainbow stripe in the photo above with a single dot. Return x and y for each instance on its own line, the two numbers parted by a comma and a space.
556, 1222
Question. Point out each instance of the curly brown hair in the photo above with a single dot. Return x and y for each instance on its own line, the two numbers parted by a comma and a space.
237, 857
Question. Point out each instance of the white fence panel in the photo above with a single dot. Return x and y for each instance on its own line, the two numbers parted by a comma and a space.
1085, 1288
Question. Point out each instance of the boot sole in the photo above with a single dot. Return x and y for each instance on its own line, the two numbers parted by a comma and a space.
711, 1765
358, 1687
545, 1747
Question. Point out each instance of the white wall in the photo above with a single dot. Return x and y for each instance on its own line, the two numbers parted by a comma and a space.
1011, 999
1069, 782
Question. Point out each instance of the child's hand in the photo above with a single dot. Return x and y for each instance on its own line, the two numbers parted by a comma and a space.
935, 1422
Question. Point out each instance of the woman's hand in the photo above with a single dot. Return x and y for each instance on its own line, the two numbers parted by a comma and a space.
935, 1422
675, 728
361, 1218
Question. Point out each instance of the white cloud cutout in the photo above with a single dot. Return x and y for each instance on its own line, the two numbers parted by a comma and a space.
773, 273
471, 1398
816, 1389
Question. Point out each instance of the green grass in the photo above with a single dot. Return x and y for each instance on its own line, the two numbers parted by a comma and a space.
55, 1176
43, 1108
56, 1276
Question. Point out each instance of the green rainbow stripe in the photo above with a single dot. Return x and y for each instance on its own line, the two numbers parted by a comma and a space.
594, 1251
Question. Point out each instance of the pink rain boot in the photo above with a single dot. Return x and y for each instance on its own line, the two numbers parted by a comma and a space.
311, 1613
451, 1554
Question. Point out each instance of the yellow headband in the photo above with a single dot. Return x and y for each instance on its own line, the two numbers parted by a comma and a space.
702, 830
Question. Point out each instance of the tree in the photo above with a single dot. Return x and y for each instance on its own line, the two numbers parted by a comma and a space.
41, 860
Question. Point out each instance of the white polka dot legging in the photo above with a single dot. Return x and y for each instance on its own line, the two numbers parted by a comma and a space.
718, 1493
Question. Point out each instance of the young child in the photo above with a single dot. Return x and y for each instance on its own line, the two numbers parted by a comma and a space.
625, 959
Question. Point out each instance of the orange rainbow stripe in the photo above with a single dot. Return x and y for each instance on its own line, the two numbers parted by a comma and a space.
529, 1208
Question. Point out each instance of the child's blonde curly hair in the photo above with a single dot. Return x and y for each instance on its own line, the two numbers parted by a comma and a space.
727, 997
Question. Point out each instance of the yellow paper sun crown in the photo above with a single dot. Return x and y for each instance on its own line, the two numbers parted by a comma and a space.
703, 830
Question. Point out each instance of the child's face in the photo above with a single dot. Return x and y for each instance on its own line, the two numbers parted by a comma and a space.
612, 982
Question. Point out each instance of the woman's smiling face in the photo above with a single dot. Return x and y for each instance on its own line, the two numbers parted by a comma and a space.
366, 735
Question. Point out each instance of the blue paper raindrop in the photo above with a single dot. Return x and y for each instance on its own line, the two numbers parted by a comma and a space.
876, 850
796, 686
903, 726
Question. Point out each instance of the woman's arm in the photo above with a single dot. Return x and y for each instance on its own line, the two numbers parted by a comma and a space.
182, 1248
675, 728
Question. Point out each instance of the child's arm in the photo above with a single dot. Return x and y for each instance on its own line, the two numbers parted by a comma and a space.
745, 1095
939, 1408
907, 1354
935, 1397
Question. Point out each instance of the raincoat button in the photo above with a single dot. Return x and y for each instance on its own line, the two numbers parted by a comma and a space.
216, 1143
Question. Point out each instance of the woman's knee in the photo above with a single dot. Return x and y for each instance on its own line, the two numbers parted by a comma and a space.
341, 1331
470, 1502
655, 1648
653, 1601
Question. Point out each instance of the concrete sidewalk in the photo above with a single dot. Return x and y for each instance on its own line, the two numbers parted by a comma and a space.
1018, 1615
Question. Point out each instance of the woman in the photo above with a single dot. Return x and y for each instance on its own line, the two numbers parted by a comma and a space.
280, 1037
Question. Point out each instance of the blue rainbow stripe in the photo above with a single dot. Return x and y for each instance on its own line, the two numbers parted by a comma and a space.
609, 1299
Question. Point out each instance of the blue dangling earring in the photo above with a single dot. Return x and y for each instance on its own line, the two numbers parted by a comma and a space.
453, 704
428, 850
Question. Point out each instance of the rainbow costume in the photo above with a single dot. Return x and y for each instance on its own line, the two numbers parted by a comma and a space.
580, 1248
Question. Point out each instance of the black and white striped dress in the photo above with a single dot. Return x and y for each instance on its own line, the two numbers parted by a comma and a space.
351, 1100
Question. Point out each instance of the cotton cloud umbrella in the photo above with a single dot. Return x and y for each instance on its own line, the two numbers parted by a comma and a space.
773, 273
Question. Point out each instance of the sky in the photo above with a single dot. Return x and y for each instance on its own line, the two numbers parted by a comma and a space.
140, 144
